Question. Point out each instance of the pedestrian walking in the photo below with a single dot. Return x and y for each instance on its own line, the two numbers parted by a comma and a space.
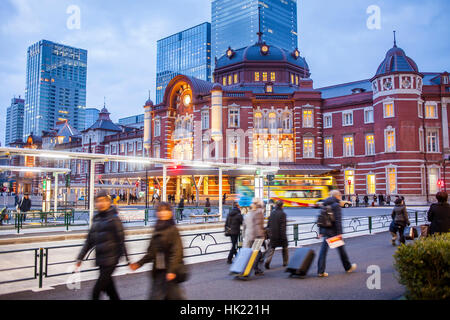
357, 201
403, 199
366, 200
374, 200
400, 221
439, 214
388, 200
25, 205
166, 253
336, 229
233, 228
254, 229
224, 198
380, 200
276, 228
269, 207
108, 238
181, 207
192, 198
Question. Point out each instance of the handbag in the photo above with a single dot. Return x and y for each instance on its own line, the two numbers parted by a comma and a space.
227, 232
410, 233
182, 273
393, 227
424, 230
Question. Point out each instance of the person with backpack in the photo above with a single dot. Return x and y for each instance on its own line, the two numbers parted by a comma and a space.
108, 237
166, 253
233, 228
277, 234
330, 225
400, 221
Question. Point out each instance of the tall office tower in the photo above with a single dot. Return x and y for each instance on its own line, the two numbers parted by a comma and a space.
55, 86
14, 121
235, 24
187, 52
136, 121
91, 115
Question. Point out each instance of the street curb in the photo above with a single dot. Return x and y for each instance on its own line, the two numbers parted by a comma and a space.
24, 239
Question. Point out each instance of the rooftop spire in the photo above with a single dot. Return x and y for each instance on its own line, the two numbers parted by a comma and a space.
395, 40
259, 24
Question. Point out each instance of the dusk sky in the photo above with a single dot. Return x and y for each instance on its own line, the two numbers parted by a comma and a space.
121, 36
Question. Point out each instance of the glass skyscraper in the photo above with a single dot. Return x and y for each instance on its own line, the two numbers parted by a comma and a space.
187, 52
55, 87
235, 23
91, 115
14, 121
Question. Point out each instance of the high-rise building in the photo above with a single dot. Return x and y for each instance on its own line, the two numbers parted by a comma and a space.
187, 52
136, 121
55, 87
91, 115
14, 121
235, 24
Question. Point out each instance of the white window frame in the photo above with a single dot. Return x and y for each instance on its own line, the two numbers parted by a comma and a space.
388, 182
344, 113
367, 183
312, 153
388, 129
328, 154
420, 109
205, 119
368, 153
436, 132
345, 149
234, 113
366, 110
385, 103
434, 105
421, 139
157, 127
308, 123
234, 140
325, 117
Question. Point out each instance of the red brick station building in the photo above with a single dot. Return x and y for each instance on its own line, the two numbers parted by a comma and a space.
384, 135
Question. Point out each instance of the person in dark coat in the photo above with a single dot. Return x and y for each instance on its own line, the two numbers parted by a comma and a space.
366, 200
374, 200
388, 200
224, 198
25, 205
192, 198
380, 200
207, 206
108, 237
233, 229
181, 207
334, 202
166, 253
401, 220
277, 234
439, 214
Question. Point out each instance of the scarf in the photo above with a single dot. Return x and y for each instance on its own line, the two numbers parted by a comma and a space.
164, 224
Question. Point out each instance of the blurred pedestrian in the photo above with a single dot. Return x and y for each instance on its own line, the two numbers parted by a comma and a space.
254, 229
192, 198
380, 199
233, 229
166, 253
224, 198
207, 206
374, 200
25, 205
276, 227
357, 201
400, 219
439, 214
269, 207
388, 200
335, 230
181, 207
108, 237
366, 200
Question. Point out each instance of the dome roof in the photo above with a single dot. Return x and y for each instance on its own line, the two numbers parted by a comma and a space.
255, 53
396, 61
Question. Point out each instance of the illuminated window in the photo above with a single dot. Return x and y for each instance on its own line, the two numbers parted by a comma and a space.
292, 78
420, 109
269, 88
328, 149
296, 80
349, 149
392, 180
432, 141
371, 184
431, 111
370, 145
230, 79
272, 76
433, 177
272, 121
389, 135
308, 148
327, 120
308, 121
388, 110
349, 181
258, 120
264, 76
224, 81
233, 147
157, 151
256, 76
235, 78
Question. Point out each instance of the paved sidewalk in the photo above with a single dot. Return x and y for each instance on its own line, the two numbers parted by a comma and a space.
211, 280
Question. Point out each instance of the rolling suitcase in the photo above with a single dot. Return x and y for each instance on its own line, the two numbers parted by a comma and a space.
300, 262
246, 260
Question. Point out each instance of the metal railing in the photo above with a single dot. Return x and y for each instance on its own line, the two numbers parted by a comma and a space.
199, 244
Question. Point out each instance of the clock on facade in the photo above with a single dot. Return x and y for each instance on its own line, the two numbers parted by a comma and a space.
187, 100
265, 49
388, 85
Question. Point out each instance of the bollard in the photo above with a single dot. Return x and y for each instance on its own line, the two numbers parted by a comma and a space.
417, 218
296, 234
370, 225
41, 262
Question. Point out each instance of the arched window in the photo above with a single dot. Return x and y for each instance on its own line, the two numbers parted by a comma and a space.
286, 121
258, 120
272, 122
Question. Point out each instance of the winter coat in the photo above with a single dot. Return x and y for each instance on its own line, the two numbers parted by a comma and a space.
25, 205
336, 229
400, 215
108, 238
166, 244
254, 226
439, 216
181, 203
234, 221
277, 228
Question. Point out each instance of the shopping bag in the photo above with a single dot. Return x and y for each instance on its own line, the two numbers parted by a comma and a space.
335, 242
